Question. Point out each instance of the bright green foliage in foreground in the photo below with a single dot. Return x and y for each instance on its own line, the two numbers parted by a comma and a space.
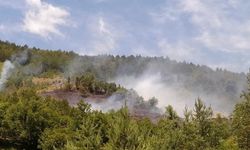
241, 120
30, 121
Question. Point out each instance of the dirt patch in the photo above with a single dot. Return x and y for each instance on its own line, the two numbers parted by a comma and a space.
49, 84
74, 96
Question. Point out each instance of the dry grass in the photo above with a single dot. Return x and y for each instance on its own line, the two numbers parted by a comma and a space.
49, 84
1, 65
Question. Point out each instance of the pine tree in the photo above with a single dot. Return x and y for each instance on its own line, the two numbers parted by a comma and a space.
202, 120
241, 120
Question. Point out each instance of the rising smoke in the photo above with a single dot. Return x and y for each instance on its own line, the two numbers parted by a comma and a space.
172, 83
149, 85
8, 67
128, 98
21, 58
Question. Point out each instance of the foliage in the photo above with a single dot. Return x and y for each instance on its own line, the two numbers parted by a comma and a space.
30, 121
241, 120
194, 78
88, 84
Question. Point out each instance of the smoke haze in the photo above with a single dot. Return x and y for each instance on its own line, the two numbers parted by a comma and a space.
8, 67
173, 83
119, 99
149, 85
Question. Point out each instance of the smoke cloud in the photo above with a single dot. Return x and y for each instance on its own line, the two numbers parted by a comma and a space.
129, 98
173, 83
152, 84
21, 58
8, 67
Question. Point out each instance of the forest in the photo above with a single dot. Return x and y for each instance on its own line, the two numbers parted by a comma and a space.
30, 120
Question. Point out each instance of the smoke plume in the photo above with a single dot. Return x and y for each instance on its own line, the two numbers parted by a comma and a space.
173, 83
8, 67
129, 98
21, 58
176, 94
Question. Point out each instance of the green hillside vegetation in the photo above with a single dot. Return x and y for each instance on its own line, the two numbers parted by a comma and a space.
88, 84
194, 78
31, 121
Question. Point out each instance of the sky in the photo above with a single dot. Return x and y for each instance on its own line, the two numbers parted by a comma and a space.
214, 33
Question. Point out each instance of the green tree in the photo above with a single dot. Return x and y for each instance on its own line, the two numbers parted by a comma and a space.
202, 116
124, 132
241, 120
229, 144
28, 115
170, 113
55, 138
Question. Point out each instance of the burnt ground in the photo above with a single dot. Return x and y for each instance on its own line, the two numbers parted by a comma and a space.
140, 113
74, 96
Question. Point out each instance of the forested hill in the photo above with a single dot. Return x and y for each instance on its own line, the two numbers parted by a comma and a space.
173, 82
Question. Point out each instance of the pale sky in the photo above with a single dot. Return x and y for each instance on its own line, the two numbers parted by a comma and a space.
211, 32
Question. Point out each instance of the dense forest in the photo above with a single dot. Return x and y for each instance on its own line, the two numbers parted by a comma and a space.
178, 81
30, 120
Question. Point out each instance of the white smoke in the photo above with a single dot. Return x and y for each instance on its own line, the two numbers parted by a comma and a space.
119, 99
107, 105
21, 58
6, 73
9, 66
172, 83
149, 85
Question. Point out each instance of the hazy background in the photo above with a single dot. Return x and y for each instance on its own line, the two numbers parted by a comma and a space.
215, 32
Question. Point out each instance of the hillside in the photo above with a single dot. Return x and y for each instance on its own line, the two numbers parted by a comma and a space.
1, 65
60, 100
171, 82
